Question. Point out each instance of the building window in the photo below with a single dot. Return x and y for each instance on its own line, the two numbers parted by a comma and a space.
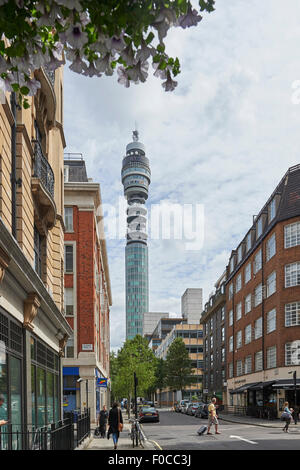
248, 365
271, 357
239, 368
38, 240
292, 353
259, 228
69, 219
248, 335
271, 320
248, 241
271, 284
238, 284
257, 262
292, 274
248, 273
292, 314
232, 264
272, 209
271, 247
223, 355
230, 370
69, 261
66, 173
211, 342
223, 314
230, 291
258, 295
239, 339
239, 311
230, 318
239, 253
69, 301
258, 361
223, 334
292, 235
258, 328
247, 304
231, 344
69, 351
211, 360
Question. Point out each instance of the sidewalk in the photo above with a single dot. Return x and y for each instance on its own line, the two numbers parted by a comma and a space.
124, 443
276, 423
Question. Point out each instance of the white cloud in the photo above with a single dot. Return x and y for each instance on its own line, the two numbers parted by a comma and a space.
224, 138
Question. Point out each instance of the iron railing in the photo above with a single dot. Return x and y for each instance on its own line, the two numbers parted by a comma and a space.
42, 169
254, 411
66, 434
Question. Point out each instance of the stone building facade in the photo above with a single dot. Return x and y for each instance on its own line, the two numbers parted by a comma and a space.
33, 330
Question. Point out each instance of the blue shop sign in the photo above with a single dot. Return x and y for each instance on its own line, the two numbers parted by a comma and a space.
101, 382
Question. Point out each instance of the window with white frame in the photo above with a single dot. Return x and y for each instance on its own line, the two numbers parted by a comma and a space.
232, 263
258, 328
69, 301
292, 353
206, 345
222, 333
259, 227
238, 284
223, 354
248, 334
223, 314
66, 173
271, 357
239, 253
258, 295
69, 261
69, 219
230, 343
248, 241
292, 274
292, 235
271, 247
69, 349
271, 284
230, 291
230, 370
272, 209
248, 365
239, 368
238, 314
248, 273
258, 361
211, 342
271, 320
230, 316
211, 360
292, 314
257, 262
239, 339
247, 304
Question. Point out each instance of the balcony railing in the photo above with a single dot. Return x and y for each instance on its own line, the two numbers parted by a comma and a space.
42, 169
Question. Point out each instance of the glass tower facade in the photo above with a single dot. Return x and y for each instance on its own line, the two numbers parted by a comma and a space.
136, 177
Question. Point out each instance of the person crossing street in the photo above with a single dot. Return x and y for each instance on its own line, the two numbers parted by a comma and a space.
212, 417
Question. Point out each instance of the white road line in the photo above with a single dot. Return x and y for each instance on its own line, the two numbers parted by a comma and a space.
243, 439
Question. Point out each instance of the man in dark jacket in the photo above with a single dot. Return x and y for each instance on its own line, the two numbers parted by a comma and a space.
114, 419
103, 421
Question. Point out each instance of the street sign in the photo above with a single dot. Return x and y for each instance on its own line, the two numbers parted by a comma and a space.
101, 382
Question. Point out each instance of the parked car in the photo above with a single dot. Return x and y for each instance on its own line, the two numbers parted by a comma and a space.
202, 411
192, 408
185, 407
147, 414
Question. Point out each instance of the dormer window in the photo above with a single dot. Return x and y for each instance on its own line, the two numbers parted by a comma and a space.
232, 264
248, 241
259, 226
240, 254
272, 209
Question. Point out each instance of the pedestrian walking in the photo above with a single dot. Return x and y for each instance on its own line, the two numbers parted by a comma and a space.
287, 416
212, 417
115, 422
2, 414
103, 415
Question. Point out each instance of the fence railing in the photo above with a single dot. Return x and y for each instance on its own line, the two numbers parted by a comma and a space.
66, 434
260, 412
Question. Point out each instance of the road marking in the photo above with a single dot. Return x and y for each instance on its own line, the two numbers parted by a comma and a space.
155, 443
243, 439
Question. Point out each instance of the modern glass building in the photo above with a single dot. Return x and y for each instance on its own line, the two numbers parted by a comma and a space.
136, 177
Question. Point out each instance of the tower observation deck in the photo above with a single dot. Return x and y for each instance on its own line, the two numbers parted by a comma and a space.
136, 178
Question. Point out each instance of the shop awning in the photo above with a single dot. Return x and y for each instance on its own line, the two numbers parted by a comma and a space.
261, 385
243, 387
286, 383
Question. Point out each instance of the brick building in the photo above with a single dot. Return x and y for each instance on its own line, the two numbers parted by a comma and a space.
263, 304
214, 341
33, 330
87, 291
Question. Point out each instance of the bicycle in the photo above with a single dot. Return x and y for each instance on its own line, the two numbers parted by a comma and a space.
136, 433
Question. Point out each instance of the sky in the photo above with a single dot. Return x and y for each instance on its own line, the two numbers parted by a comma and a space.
222, 140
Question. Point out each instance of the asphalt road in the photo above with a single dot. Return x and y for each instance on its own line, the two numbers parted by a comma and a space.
177, 431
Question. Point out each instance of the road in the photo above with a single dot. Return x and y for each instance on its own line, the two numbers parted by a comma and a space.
177, 431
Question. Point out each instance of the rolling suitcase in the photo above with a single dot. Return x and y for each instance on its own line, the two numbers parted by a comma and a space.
202, 430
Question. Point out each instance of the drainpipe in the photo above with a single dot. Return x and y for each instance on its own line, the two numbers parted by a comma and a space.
13, 167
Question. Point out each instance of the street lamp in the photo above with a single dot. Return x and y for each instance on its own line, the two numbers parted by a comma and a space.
87, 392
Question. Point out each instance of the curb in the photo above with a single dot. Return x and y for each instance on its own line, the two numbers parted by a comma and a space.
251, 424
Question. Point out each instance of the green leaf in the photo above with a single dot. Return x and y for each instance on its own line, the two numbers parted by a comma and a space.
149, 38
24, 90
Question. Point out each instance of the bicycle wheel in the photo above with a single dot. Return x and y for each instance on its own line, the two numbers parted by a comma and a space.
141, 439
